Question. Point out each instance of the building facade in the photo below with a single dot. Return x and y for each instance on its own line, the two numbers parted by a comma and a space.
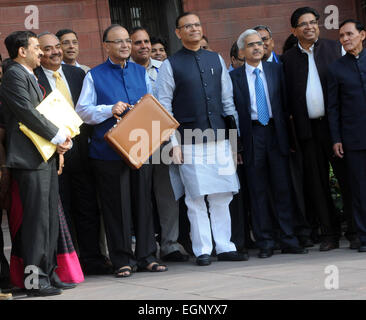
223, 20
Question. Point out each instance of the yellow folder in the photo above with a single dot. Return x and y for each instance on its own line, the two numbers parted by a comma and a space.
59, 111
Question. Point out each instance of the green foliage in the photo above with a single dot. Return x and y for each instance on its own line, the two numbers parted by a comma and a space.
335, 191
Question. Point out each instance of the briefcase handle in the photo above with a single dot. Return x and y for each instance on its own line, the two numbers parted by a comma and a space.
130, 106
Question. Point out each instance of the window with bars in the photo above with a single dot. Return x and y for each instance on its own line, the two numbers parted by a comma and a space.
157, 16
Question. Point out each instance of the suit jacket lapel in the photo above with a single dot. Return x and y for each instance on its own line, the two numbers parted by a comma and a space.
42, 79
269, 79
35, 86
69, 79
244, 88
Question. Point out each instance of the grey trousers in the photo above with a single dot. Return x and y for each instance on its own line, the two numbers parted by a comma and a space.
168, 209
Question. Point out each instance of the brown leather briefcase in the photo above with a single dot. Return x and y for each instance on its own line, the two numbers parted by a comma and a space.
141, 131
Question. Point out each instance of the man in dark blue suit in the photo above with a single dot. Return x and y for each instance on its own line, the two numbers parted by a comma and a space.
347, 116
259, 98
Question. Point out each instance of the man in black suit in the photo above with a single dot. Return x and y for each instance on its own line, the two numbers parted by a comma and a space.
305, 67
260, 99
347, 116
77, 189
36, 179
302, 227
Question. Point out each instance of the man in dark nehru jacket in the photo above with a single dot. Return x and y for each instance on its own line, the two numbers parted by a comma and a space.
305, 66
347, 116
195, 87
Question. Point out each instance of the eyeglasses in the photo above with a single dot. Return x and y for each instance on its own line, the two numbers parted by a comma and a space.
68, 42
307, 24
189, 26
239, 59
252, 44
265, 39
119, 41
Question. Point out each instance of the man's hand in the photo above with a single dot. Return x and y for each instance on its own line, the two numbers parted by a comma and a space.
239, 158
62, 148
338, 149
177, 155
119, 107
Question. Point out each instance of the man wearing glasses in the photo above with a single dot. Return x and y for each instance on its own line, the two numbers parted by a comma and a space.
195, 87
305, 67
268, 43
107, 89
70, 48
258, 88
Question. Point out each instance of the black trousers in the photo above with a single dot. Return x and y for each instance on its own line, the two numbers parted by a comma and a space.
317, 153
115, 192
356, 162
240, 213
38, 190
79, 199
269, 170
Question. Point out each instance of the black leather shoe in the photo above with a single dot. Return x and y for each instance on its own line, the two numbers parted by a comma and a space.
203, 260
276, 246
306, 242
175, 256
265, 253
327, 245
245, 253
44, 291
354, 244
362, 247
232, 256
57, 283
63, 285
295, 250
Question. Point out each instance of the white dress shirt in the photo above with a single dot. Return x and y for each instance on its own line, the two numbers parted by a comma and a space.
52, 80
314, 90
251, 84
87, 107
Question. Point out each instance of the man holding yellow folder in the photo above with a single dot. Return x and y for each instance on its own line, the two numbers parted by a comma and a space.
36, 179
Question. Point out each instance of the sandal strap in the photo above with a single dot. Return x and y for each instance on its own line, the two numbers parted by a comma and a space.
156, 265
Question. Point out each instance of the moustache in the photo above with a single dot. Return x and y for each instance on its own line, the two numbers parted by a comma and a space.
55, 55
257, 51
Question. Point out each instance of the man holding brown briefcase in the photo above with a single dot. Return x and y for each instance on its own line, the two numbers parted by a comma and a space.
108, 89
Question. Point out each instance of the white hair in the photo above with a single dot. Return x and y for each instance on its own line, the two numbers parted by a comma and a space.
244, 35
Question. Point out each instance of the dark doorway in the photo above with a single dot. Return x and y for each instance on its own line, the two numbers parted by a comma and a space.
157, 16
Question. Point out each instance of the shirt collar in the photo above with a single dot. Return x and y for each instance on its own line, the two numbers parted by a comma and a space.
270, 59
117, 65
250, 68
50, 72
26, 69
311, 49
76, 64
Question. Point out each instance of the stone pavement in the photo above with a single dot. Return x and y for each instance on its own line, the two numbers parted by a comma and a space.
283, 277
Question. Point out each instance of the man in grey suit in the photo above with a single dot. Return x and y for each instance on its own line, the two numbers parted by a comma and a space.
35, 178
